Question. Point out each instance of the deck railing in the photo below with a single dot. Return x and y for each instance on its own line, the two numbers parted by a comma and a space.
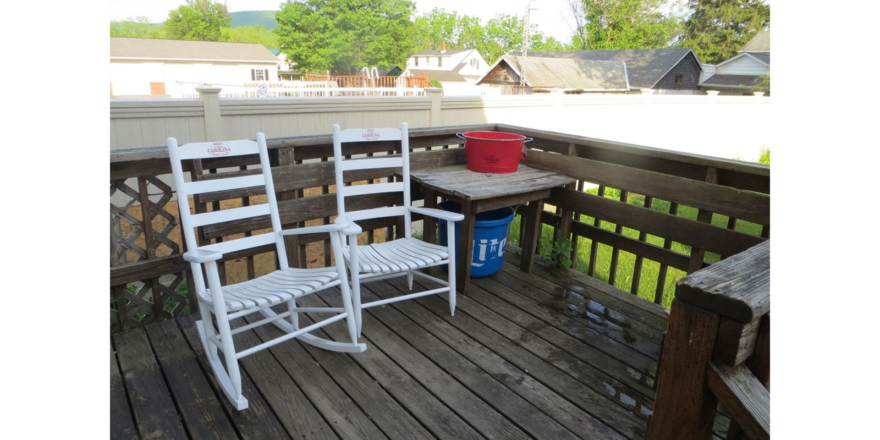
148, 275
717, 351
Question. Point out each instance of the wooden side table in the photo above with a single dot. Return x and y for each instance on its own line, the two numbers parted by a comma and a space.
481, 192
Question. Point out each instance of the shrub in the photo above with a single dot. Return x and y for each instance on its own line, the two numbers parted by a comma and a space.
765, 156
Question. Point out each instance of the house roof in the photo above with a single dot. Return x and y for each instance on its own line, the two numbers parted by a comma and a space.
645, 67
440, 75
572, 74
760, 57
763, 57
737, 81
436, 52
759, 43
148, 48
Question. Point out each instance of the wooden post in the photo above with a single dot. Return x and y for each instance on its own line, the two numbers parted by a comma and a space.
685, 408
213, 124
435, 118
717, 350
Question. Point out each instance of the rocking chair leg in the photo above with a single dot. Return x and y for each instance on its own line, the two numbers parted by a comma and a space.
294, 315
409, 279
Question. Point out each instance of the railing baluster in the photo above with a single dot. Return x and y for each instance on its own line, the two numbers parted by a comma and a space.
594, 248
615, 252
637, 268
664, 269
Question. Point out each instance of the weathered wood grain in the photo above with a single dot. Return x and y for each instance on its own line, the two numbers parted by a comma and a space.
653, 315
737, 288
517, 409
151, 403
624, 243
121, 422
685, 409
736, 341
523, 373
340, 412
261, 420
197, 404
682, 230
744, 397
726, 200
381, 407
439, 419
457, 180
541, 297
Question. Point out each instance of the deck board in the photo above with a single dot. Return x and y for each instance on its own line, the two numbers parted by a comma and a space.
518, 360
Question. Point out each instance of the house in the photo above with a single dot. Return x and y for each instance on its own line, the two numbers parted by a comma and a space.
568, 75
670, 71
458, 70
173, 68
744, 73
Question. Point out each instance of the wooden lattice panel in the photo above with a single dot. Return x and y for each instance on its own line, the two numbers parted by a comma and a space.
128, 232
143, 227
136, 301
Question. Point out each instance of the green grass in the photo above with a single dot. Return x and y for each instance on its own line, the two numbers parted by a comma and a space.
650, 271
169, 305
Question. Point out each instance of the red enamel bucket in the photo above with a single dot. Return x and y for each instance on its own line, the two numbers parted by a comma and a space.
493, 151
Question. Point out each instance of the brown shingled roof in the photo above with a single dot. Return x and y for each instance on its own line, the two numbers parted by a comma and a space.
148, 48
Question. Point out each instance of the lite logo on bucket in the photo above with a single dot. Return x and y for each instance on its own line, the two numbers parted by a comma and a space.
495, 249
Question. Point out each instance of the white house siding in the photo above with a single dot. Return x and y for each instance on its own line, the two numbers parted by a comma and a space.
452, 62
743, 65
708, 71
133, 78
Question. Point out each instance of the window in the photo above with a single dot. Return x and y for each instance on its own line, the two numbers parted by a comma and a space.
475, 63
417, 62
679, 79
259, 75
439, 61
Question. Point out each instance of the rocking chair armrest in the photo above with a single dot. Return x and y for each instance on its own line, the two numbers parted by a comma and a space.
438, 213
351, 228
319, 229
202, 256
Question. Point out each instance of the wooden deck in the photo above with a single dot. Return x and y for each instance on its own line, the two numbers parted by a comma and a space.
525, 356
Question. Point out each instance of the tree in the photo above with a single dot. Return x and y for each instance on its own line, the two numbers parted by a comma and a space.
250, 34
198, 20
139, 27
625, 24
717, 29
438, 26
503, 34
346, 35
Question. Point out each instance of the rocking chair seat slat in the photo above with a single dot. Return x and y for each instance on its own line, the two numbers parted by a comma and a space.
395, 256
274, 288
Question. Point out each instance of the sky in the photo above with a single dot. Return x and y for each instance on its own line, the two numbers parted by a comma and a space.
552, 17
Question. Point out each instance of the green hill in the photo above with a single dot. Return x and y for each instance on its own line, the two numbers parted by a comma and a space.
253, 18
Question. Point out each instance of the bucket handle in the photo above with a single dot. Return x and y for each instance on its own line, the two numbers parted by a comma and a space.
460, 135
525, 152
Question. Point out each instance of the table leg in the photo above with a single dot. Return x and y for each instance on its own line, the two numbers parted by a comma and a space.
429, 225
466, 246
531, 225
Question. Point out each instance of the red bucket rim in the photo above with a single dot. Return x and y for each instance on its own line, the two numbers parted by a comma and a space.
475, 135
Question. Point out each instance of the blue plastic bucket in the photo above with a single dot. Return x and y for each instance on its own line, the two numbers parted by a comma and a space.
490, 238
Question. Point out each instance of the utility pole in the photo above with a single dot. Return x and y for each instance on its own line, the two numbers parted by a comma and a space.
525, 54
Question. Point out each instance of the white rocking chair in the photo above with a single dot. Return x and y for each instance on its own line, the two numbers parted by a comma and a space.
401, 257
284, 285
